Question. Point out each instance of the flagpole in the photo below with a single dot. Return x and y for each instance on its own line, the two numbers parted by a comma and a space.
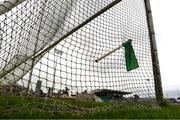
107, 54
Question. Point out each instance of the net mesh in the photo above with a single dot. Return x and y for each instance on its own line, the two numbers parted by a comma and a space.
31, 57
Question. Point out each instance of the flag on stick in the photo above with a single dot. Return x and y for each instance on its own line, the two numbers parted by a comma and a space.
131, 61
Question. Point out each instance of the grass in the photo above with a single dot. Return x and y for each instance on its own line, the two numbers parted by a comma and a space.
28, 107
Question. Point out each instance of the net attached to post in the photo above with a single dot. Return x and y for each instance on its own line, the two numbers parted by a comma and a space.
28, 55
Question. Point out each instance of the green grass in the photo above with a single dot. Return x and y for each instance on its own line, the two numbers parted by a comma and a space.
28, 107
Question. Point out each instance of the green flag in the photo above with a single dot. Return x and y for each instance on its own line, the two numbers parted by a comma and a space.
131, 61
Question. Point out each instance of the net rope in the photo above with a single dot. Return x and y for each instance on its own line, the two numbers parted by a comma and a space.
30, 28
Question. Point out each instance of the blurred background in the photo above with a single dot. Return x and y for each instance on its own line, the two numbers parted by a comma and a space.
167, 24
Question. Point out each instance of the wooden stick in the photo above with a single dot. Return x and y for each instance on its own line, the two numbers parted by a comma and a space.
7, 5
107, 54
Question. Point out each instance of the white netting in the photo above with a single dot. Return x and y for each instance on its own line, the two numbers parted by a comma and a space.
33, 26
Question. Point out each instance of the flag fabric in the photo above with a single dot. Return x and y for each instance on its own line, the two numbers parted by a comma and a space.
131, 61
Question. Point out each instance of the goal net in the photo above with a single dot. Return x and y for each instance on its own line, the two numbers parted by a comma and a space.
54, 44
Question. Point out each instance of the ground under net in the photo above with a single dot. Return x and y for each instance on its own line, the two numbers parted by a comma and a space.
52, 45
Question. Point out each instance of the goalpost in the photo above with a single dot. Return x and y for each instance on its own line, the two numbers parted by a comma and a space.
77, 45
